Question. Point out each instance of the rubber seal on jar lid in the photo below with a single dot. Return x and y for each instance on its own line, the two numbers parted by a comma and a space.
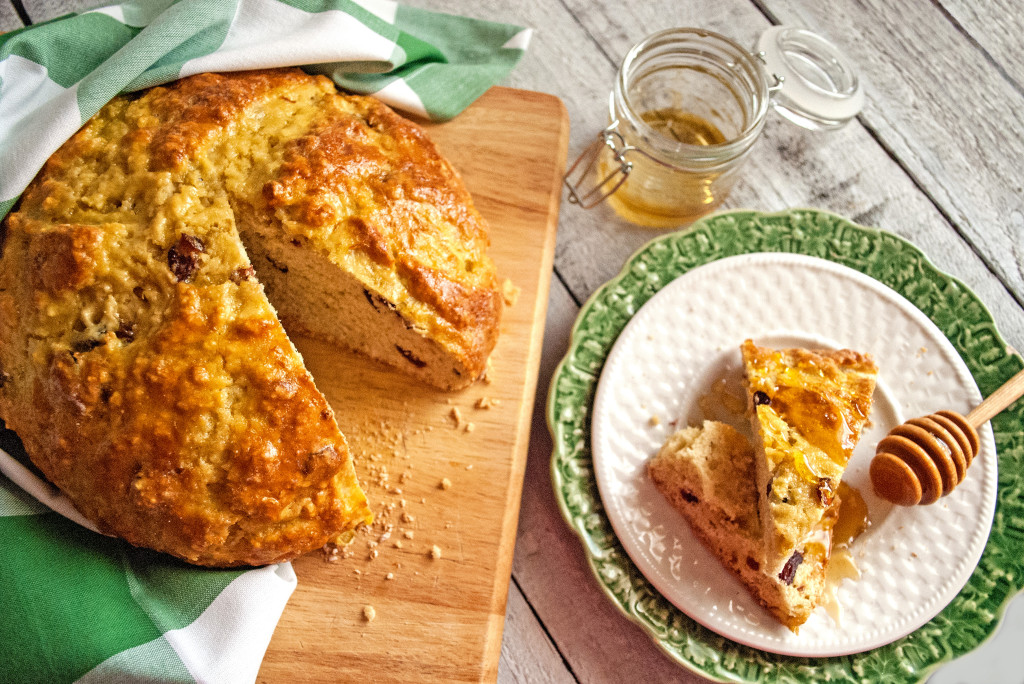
817, 87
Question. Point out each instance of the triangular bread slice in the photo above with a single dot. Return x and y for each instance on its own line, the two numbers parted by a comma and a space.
807, 409
707, 473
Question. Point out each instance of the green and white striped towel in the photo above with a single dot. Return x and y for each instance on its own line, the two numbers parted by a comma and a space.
79, 606
54, 76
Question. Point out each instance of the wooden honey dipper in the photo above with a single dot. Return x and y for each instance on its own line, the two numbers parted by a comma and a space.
925, 458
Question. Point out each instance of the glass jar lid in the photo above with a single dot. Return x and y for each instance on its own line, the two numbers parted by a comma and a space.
816, 85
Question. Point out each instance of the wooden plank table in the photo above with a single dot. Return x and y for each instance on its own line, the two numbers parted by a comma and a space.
934, 157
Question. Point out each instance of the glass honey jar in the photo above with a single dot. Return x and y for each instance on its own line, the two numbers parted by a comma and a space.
686, 107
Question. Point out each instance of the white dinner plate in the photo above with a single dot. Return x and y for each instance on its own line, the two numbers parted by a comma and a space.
666, 370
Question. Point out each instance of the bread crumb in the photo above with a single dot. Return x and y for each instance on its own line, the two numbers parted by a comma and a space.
369, 613
408, 534
389, 576
408, 517
654, 421
469, 467
445, 483
398, 543
486, 377
486, 403
470, 427
456, 415
374, 553
435, 551
510, 292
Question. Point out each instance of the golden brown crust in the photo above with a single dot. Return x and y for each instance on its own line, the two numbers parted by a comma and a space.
190, 113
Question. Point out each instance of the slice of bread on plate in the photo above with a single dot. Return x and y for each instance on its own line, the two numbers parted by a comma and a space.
807, 410
708, 474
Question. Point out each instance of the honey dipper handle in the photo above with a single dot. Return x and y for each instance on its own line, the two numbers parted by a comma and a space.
1009, 392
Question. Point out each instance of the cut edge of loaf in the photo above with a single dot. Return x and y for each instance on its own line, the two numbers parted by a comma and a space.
316, 297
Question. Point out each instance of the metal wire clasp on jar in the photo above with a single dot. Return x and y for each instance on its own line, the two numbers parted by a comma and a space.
686, 108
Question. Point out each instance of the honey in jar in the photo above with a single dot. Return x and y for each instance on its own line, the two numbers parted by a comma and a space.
687, 106
655, 195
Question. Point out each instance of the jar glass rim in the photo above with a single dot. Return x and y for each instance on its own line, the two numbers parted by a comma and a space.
741, 61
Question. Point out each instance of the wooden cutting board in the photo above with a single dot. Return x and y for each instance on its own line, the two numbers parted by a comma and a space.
443, 472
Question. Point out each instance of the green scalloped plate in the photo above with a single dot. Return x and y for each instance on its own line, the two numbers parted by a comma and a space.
967, 621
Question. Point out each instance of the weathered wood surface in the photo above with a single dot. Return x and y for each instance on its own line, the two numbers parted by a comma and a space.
9, 19
935, 157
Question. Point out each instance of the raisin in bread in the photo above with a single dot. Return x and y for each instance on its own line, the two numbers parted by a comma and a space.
707, 473
807, 410
141, 361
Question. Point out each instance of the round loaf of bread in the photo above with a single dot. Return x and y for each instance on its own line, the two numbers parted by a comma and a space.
141, 361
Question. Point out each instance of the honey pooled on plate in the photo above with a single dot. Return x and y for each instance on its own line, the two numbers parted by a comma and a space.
852, 521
